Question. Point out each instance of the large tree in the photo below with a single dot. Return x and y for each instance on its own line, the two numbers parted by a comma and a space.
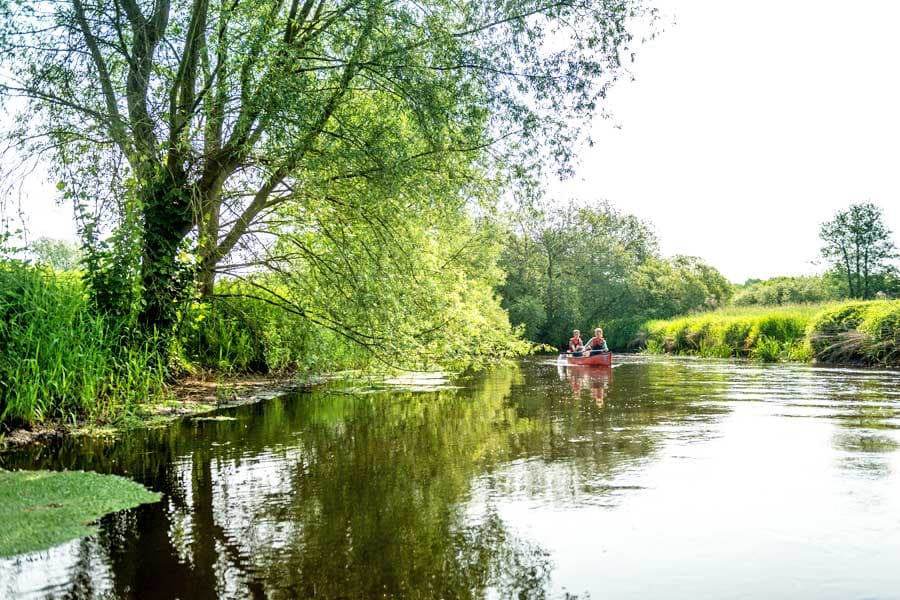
858, 244
197, 131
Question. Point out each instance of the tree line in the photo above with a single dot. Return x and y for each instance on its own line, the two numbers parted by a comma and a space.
584, 266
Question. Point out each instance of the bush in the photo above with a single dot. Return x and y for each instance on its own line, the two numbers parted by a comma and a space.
239, 334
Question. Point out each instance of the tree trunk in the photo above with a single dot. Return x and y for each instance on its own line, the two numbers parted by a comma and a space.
167, 220
866, 295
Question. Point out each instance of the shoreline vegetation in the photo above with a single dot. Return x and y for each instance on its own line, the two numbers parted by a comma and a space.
66, 367
847, 333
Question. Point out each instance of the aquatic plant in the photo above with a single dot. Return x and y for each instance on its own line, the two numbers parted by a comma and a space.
42, 509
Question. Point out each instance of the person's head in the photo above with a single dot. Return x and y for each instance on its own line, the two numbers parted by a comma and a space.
598, 332
576, 333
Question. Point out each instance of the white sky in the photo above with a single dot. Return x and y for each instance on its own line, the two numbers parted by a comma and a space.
748, 124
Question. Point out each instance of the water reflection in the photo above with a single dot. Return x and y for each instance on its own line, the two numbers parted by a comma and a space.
502, 485
595, 379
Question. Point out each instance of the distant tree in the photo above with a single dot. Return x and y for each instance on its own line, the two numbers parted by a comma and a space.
859, 245
59, 254
791, 290
574, 266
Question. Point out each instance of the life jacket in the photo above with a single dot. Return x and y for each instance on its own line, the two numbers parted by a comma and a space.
574, 343
600, 342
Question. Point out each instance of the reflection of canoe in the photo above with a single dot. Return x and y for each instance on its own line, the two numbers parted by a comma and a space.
595, 359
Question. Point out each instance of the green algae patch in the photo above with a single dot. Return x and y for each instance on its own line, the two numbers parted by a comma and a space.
42, 509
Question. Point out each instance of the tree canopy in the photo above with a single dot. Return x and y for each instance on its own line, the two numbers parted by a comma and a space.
200, 137
587, 266
858, 244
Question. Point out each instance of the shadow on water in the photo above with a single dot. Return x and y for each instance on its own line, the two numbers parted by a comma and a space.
337, 494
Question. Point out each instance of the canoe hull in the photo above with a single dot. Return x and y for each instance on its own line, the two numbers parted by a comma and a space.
600, 359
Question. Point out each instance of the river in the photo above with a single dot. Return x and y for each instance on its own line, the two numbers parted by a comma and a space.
660, 478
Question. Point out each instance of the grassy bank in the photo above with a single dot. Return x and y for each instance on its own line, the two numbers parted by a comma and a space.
848, 332
62, 362
59, 360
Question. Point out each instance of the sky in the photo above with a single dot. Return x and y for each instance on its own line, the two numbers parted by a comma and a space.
746, 126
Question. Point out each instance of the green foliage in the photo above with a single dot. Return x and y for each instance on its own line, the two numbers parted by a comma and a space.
209, 130
111, 266
42, 509
850, 332
60, 359
858, 244
529, 312
239, 333
767, 349
56, 254
761, 333
654, 347
778, 291
858, 332
583, 267
707, 350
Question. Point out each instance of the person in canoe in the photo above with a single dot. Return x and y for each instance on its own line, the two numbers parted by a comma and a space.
597, 342
575, 343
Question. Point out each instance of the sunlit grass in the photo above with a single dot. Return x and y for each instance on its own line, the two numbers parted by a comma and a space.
841, 332
61, 360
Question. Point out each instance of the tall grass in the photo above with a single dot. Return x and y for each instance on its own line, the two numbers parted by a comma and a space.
858, 332
849, 332
58, 359
733, 331
763, 333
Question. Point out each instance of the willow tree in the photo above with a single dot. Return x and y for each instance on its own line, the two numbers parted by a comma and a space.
191, 130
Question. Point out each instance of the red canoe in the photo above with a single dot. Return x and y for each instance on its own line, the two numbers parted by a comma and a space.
598, 359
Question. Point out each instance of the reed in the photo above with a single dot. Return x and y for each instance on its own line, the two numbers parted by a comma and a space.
846, 333
58, 359
763, 333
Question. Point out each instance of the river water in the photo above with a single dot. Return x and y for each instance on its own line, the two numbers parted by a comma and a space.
659, 478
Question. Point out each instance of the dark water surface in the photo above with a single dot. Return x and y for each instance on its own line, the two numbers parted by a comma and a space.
659, 478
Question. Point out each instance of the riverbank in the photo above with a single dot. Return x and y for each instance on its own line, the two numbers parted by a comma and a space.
65, 361
190, 397
855, 332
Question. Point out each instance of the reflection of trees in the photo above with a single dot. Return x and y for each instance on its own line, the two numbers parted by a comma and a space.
588, 449
375, 507
318, 495
359, 496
